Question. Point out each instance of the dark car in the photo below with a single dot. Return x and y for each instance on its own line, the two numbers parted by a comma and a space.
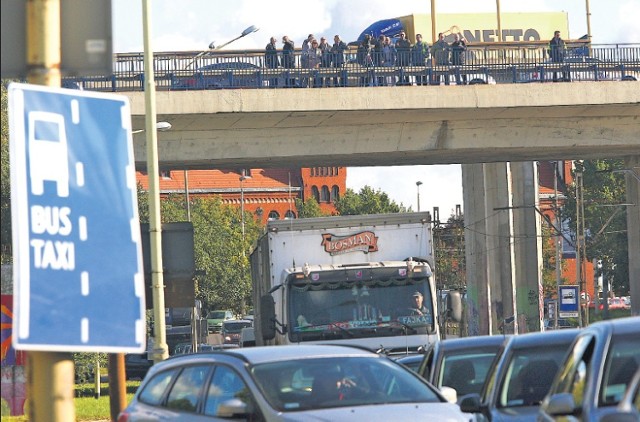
231, 330
411, 361
234, 74
137, 365
287, 383
460, 363
595, 373
520, 377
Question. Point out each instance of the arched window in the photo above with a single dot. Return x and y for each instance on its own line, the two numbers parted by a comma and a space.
335, 193
273, 215
324, 196
315, 193
289, 215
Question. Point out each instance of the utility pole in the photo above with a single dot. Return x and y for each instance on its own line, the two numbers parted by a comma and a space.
580, 252
556, 212
50, 375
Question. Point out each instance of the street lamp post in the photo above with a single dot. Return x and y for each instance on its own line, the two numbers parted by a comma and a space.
213, 46
418, 183
160, 350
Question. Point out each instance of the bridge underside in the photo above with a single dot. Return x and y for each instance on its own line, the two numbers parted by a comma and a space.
393, 125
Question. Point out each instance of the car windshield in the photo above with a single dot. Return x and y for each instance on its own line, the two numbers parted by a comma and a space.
316, 383
235, 327
217, 315
336, 307
466, 373
529, 375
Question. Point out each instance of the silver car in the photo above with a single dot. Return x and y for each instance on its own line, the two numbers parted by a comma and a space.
287, 383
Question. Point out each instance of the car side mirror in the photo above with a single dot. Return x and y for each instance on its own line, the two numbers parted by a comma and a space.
267, 317
454, 306
449, 393
470, 403
232, 408
560, 404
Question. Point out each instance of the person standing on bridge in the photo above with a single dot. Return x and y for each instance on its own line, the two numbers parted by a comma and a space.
403, 47
556, 51
271, 59
420, 53
440, 52
458, 51
337, 52
288, 59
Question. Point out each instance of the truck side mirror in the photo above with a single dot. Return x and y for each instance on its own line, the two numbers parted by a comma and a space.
267, 317
454, 306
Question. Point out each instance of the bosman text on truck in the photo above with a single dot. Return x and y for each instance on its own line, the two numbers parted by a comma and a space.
347, 279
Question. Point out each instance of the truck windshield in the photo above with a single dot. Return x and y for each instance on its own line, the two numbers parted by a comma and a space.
335, 308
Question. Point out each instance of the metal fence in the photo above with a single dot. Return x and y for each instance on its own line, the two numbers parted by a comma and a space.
482, 64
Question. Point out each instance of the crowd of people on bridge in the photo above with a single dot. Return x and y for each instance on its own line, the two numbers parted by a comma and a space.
378, 52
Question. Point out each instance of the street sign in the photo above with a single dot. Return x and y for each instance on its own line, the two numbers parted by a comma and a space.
78, 274
569, 301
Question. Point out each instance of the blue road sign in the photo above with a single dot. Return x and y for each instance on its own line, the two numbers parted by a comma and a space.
78, 275
569, 301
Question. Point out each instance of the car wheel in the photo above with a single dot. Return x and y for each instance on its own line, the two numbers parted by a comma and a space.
477, 81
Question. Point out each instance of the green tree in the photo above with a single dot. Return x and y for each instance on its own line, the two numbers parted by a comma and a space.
367, 201
5, 193
221, 253
449, 253
309, 208
605, 219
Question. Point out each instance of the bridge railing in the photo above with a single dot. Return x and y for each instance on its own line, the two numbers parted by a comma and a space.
483, 63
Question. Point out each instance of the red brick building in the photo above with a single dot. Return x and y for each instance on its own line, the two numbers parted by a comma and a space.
268, 193
547, 195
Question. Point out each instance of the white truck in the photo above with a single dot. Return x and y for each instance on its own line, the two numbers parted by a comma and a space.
348, 279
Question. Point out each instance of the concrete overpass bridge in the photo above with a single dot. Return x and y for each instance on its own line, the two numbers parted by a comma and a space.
496, 131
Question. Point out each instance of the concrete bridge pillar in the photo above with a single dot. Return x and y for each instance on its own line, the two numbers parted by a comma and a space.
632, 176
499, 245
528, 246
478, 306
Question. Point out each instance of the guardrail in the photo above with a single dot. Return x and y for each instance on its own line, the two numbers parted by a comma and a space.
482, 64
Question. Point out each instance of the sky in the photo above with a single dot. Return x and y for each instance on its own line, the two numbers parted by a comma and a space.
191, 25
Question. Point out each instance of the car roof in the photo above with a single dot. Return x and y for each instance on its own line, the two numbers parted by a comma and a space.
626, 325
230, 321
229, 65
544, 338
472, 342
265, 354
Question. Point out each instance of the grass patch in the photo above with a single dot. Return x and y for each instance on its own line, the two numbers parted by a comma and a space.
88, 408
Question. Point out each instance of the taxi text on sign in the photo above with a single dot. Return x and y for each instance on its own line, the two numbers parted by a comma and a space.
78, 274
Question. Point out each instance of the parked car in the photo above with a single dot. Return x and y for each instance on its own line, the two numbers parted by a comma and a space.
296, 382
233, 74
520, 377
460, 363
411, 361
595, 373
231, 330
215, 319
136, 365
578, 69
617, 303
